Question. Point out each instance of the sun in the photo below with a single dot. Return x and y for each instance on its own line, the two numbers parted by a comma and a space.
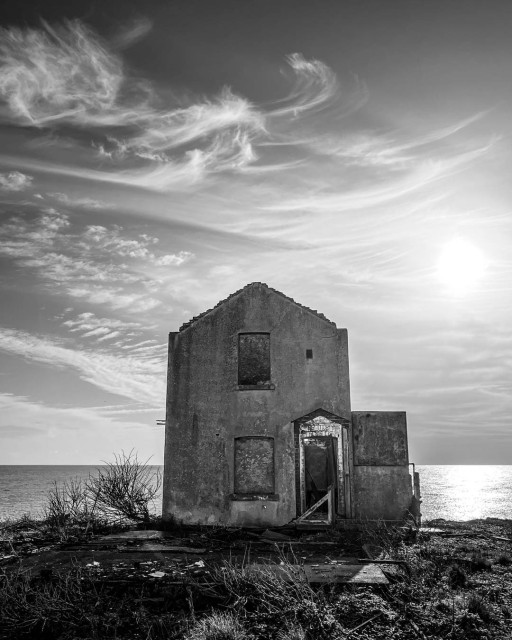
460, 266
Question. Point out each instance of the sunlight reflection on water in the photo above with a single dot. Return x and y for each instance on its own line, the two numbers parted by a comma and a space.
466, 492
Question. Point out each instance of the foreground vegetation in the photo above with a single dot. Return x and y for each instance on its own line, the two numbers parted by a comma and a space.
451, 585
453, 581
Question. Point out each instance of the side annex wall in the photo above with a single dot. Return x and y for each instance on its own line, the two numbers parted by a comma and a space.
382, 484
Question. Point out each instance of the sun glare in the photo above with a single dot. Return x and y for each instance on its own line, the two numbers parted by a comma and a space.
460, 266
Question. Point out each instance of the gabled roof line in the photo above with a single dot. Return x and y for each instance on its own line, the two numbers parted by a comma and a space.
316, 313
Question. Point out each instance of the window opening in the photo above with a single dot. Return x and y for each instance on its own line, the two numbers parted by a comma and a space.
253, 359
254, 465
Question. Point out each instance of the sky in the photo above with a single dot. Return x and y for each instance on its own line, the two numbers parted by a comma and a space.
157, 156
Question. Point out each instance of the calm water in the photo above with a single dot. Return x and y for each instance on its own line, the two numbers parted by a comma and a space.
453, 492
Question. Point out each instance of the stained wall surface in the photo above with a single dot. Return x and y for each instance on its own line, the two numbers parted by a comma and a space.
207, 410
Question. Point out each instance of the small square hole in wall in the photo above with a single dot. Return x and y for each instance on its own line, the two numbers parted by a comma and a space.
309, 354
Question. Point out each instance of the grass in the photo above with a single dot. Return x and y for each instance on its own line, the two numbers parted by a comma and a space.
218, 626
457, 587
77, 604
430, 595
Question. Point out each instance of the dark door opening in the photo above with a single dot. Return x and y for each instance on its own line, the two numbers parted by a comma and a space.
320, 474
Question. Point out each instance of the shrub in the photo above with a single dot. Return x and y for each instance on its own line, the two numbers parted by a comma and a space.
122, 491
125, 488
69, 505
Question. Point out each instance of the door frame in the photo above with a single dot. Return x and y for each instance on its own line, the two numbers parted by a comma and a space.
336, 427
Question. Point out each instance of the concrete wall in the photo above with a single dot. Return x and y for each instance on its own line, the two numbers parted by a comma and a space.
380, 438
382, 484
381, 492
206, 410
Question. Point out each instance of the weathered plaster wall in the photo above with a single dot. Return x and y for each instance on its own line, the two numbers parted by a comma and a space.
381, 492
206, 410
382, 484
380, 437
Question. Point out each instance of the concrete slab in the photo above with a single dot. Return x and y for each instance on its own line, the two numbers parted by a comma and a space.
148, 547
327, 573
149, 534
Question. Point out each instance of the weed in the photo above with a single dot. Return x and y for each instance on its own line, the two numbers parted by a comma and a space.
282, 600
479, 562
504, 560
457, 576
218, 626
293, 631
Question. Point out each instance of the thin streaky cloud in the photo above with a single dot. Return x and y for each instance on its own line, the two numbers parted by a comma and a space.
131, 33
123, 375
88, 323
78, 202
424, 174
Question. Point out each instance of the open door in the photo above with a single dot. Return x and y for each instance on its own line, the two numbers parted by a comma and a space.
320, 479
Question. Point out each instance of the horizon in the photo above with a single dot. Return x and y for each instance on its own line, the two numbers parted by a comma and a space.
354, 156
418, 464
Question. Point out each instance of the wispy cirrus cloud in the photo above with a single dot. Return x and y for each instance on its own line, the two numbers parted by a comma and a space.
316, 87
98, 264
133, 377
115, 298
67, 75
90, 327
14, 181
111, 240
50, 75
79, 202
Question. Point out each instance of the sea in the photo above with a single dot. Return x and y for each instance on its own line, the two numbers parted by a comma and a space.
451, 492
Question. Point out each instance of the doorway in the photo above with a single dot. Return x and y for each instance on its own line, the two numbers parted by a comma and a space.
322, 487
319, 471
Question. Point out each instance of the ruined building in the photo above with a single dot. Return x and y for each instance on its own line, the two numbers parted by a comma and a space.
259, 428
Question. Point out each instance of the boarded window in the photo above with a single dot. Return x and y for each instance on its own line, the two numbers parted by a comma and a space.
254, 465
253, 358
